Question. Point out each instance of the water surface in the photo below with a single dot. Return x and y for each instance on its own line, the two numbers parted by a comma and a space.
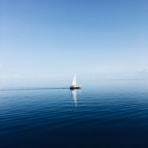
91, 117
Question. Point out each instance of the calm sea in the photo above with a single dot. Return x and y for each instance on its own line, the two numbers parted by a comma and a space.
101, 117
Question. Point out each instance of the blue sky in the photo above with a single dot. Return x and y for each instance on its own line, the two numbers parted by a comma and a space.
49, 40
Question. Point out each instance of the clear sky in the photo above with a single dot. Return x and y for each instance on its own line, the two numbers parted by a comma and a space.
49, 40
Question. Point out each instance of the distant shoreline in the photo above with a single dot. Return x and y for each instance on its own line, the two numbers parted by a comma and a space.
15, 89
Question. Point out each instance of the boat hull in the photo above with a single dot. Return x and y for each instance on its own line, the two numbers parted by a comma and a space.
75, 87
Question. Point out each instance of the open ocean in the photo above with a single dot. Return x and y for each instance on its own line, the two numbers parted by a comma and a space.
112, 117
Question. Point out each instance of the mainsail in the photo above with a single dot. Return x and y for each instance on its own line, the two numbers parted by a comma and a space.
74, 82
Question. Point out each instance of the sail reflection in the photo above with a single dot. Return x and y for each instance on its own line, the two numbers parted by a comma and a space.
75, 96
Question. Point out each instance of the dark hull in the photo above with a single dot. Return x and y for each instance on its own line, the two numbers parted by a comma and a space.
75, 87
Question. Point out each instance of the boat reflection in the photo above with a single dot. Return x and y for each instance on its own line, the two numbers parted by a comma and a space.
75, 96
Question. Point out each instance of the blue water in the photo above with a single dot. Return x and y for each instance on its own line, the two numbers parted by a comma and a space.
56, 117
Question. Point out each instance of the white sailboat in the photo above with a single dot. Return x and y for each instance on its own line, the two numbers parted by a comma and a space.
74, 83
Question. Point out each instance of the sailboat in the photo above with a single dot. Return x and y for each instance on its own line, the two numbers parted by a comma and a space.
74, 83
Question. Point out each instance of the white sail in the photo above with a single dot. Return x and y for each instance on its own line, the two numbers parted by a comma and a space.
74, 82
